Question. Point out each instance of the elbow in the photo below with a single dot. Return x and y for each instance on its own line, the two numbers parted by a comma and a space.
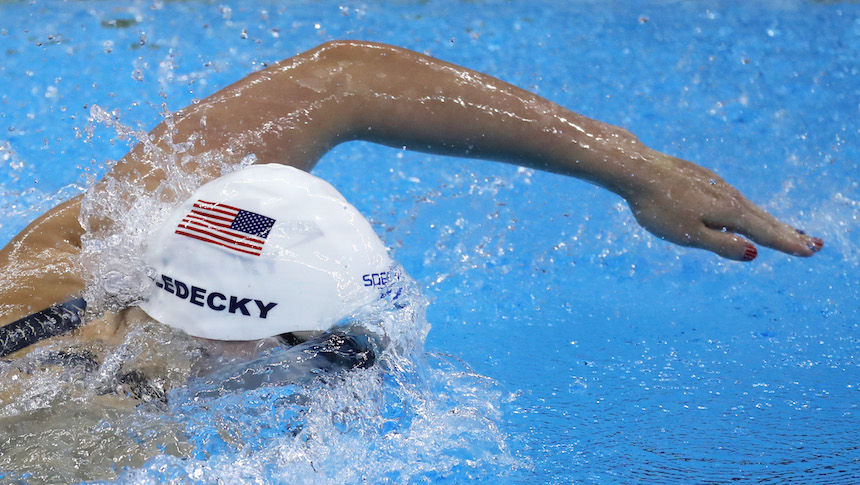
341, 66
352, 74
349, 51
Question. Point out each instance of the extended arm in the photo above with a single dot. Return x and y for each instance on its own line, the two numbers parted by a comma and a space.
295, 111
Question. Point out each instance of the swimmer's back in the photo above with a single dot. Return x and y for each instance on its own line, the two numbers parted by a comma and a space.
40, 265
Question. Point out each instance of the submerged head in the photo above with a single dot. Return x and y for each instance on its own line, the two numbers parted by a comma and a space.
263, 251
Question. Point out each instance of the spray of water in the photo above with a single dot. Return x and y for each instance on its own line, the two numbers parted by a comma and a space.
147, 411
119, 214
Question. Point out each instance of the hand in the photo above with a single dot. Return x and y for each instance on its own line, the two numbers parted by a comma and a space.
691, 206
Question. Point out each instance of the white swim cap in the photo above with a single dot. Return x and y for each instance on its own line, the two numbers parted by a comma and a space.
262, 251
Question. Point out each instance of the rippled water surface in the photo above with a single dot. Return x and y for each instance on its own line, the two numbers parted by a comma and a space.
565, 344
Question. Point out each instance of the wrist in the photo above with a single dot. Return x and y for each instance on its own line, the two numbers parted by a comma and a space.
621, 164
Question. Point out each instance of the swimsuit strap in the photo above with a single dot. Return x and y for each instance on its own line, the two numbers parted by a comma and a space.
42, 325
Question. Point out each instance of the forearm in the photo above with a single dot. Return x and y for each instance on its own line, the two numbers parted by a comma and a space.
404, 99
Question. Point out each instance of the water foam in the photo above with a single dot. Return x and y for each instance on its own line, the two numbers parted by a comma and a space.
415, 416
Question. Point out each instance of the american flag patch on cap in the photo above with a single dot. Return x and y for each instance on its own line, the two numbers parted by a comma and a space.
226, 226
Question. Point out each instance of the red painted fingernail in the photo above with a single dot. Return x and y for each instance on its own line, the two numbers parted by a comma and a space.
751, 253
816, 245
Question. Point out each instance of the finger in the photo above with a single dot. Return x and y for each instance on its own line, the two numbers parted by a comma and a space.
725, 244
787, 239
768, 231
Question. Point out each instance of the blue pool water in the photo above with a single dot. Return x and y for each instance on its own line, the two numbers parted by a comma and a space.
565, 344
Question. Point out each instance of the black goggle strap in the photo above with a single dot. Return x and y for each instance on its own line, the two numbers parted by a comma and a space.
53, 321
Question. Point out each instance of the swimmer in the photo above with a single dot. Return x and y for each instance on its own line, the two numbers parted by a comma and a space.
293, 112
